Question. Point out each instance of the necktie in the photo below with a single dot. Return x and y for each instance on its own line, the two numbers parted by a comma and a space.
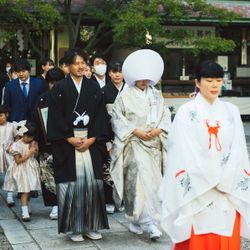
24, 89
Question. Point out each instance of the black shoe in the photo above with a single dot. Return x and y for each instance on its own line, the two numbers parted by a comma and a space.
10, 202
25, 218
33, 194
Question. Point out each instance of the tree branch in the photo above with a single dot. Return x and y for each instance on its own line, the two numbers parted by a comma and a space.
32, 43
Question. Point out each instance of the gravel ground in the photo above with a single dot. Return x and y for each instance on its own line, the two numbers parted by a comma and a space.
245, 245
4, 243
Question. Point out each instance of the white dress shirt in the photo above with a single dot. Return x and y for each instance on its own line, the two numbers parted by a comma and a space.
27, 86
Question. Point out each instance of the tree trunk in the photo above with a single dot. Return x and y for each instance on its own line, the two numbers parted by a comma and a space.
32, 43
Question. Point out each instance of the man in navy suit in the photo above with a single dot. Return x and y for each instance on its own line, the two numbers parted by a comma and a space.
21, 94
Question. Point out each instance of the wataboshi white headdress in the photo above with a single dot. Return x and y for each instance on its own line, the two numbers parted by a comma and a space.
143, 64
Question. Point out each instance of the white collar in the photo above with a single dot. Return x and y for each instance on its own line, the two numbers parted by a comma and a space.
203, 100
100, 81
27, 81
77, 85
141, 93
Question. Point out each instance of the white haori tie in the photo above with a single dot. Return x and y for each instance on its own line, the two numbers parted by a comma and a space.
83, 117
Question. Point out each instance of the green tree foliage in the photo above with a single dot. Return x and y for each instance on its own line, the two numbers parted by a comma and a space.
141, 23
29, 16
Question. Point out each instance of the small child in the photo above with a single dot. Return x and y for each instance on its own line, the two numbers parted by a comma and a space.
23, 175
7, 136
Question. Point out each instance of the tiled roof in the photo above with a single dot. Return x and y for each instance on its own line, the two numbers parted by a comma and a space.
240, 7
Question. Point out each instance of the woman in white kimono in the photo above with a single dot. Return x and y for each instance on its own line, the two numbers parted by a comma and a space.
140, 121
205, 192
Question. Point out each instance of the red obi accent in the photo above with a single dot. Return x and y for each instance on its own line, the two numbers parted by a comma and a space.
247, 173
179, 173
211, 131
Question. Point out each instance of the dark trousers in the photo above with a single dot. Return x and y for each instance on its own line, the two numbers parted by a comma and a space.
49, 198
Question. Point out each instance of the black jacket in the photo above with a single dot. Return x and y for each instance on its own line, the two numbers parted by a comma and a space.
60, 126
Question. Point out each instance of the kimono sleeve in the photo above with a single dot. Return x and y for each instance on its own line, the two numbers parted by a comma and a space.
237, 168
165, 120
121, 126
57, 125
99, 127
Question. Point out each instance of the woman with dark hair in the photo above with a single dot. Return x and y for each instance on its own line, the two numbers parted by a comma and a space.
45, 65
88, 71
77, 126
205, 191
110, 92
45, 154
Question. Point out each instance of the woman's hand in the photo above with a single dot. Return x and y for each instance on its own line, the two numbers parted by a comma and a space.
154, 132
142, 135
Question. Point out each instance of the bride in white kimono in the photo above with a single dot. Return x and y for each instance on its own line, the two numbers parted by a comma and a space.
140, 121
205, 191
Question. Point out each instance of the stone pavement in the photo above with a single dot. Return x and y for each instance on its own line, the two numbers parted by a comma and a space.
41, 232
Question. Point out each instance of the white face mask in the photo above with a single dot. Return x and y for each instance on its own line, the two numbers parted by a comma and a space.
8, 69
100, 69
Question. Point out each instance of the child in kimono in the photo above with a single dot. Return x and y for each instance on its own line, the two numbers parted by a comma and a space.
140, 122
7, 136
23, 175
206, 188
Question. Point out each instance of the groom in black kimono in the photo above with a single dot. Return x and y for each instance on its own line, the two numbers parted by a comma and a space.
77, 128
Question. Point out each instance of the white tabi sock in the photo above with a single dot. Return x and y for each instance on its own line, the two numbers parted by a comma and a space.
25, 211
10, 195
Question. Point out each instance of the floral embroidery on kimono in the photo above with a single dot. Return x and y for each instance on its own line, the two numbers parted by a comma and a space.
208, 139
184, 180
137, 165
243, 185
193, 115
225, 159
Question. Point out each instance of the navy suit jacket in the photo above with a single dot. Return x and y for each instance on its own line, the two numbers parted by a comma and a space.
21, 107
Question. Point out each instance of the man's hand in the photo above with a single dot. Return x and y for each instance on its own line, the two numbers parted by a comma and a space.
86, 143
75, 141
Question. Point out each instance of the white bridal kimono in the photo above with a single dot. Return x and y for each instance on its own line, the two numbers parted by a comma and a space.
208, 172
137, 165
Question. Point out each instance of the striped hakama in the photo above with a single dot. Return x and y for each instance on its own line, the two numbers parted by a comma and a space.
81, 203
